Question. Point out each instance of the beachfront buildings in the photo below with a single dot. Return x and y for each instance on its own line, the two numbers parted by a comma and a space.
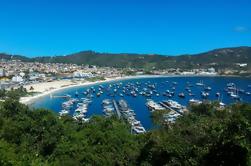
16, 72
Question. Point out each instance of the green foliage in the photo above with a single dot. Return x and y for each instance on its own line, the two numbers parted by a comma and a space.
93, 79
14, 94
206, 136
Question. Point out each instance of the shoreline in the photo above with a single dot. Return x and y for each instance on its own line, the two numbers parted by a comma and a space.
49, 90
30, 99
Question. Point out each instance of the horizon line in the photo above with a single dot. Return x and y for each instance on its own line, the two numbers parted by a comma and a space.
129, 53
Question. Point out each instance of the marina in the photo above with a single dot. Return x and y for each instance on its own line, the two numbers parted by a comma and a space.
144, 96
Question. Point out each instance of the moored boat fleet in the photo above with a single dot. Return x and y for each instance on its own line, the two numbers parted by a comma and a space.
114, 96
81, 108
175, 109
122, 110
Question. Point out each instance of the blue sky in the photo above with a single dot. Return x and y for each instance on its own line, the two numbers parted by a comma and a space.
171, 27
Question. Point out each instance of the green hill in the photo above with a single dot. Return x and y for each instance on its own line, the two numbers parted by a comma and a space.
219, 58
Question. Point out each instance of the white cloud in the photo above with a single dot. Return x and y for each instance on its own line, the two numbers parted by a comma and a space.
240, 29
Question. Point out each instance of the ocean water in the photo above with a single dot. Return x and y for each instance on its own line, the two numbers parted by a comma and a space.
138, 104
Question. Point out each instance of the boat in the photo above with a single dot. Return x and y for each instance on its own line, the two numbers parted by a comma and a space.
153, 105
181, 95
204, 94
106, 102
63, 112
76, 93
217, 94
230, 84
191, 94
173, 104
208, 88
233, 92
194, 102
123, 105
98, 94
200, 83
171, 117
235, 96
138, 129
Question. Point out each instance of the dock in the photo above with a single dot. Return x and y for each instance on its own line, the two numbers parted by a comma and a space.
116, 108
167, 107
64, 96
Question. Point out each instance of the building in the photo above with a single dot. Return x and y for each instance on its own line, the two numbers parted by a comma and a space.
17, 78
2, 72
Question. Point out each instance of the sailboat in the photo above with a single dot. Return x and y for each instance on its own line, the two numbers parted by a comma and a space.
200, 83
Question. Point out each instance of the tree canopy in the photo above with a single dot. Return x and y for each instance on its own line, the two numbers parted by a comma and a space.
206, 136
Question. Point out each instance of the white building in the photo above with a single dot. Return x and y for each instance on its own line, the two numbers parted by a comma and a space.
79, 74
2, 72
242, 64
17, 79
211, 70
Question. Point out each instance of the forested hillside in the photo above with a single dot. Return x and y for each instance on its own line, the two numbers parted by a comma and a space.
203, 137
219, 58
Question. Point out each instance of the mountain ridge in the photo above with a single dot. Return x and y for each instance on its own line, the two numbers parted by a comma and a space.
219, 58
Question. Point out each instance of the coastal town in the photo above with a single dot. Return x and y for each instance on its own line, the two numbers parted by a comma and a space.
15, 73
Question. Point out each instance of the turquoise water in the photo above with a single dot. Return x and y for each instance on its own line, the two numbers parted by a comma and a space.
217, 84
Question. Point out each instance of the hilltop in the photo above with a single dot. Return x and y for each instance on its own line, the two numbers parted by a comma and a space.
218, 58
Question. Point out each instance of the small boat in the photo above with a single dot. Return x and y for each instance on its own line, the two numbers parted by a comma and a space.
63, 112
106, 101
200, 83
235, 96
153, 105
208, 88
248, 93
173, 104
181, 95
230, 84
194, 102
204, 94
191, 94
217, 94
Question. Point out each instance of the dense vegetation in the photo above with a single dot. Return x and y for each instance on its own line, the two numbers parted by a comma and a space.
14, 93
220, 58
203, 137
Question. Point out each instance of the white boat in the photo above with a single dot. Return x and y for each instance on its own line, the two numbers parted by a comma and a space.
139, 130
173, 104
63, 112
153, 105
200, 83
194, 102
106, 102
204, 94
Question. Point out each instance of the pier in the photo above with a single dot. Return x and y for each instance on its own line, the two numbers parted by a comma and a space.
64, 96
116, 108
167, 107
